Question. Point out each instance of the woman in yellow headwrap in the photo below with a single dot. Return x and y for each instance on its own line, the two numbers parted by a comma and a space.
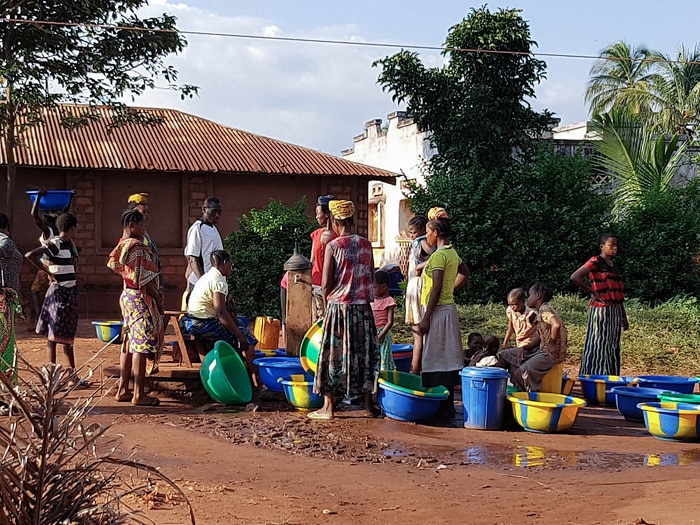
139, 202
348, 363
141, 304
443, 356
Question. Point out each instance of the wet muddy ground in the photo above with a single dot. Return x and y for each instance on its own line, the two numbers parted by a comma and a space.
278, 467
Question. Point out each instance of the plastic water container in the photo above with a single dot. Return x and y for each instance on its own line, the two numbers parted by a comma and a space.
483, 396
552, 381
267, 332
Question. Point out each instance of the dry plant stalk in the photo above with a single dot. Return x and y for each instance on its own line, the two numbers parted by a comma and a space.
54, 468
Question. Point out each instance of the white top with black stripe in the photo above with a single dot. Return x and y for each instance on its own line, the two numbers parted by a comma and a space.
61, 255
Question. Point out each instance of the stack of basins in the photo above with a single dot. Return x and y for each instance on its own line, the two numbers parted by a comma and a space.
676, 416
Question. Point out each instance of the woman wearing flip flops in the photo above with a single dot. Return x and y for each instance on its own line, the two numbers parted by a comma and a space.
348, 362
141, 303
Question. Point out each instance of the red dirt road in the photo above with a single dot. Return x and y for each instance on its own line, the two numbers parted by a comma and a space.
278, 467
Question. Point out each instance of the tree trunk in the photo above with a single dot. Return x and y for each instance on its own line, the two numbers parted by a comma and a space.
11, 167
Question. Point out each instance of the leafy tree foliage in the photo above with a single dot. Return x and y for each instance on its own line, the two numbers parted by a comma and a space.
264, 241
642, 165
658, 244
515, 227
661, 90
622, 77
476, 106
516, 220
90, 52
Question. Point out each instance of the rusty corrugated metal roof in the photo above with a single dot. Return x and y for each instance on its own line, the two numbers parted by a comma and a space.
182, 142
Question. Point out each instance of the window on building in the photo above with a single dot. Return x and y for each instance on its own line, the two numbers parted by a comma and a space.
376, 224
405, 215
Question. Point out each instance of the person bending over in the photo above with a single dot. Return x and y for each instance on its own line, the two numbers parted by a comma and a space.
207, 314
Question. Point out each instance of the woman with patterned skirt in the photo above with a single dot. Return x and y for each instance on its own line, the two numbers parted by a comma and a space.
348, 363
607, 318
141, 304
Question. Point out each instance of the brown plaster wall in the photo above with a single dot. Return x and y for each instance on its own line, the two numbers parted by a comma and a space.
175, 203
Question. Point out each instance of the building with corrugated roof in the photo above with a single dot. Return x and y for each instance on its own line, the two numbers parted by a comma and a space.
178, 162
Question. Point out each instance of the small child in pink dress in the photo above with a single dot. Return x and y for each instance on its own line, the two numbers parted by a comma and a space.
383, 309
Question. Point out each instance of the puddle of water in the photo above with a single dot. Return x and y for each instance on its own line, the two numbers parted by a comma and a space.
394, 453
533, 456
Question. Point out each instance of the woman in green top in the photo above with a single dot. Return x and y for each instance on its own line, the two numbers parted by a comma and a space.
443, 354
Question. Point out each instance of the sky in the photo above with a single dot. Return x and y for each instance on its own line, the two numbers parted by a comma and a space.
320, 95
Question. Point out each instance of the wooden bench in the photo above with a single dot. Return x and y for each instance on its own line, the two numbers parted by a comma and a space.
189, 348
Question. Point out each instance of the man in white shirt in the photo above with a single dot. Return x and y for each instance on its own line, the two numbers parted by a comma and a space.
202, 239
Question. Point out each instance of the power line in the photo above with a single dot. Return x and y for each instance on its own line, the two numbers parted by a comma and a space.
338, 42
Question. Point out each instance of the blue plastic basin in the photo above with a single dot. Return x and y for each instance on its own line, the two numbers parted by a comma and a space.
680, 384
628, 397
53, 200
402, 396
274, 368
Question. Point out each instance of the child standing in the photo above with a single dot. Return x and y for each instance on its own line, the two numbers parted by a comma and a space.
443, 355
383, 309
528, 366
58, 319
417, 259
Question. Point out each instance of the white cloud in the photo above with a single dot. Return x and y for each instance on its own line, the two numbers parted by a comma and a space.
315, 95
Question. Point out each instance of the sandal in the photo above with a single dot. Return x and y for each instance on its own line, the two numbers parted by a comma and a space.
126, 396
319, 415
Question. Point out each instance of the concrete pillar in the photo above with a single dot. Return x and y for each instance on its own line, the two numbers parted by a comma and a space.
299, 310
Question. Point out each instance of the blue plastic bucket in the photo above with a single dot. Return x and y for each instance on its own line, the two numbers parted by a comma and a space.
483, 396
680, 384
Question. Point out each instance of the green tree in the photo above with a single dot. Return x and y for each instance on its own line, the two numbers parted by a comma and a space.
476, 107
676, 92
623, 77
642, 165
265, 239
77, 51
659, 243
518, 215
520, 226
662, 91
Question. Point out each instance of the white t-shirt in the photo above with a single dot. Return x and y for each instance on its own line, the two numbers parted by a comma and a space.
201, 304
202, 239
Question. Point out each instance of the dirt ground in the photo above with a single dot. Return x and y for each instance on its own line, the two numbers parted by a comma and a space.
278, 467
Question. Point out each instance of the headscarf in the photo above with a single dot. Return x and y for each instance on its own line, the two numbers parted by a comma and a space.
341, 209
138, 198
436, 213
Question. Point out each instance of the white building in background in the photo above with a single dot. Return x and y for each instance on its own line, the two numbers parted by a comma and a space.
402, 148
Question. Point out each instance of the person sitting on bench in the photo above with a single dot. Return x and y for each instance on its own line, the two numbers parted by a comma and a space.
207, 315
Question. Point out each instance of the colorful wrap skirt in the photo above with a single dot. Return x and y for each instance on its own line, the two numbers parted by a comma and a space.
349, 358
601, 347
143, 323
58, 319
9, 303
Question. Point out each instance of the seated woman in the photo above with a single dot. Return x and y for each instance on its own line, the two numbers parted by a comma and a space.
207, 315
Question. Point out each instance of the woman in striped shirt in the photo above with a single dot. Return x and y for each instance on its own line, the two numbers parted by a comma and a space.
58, 319
607, 318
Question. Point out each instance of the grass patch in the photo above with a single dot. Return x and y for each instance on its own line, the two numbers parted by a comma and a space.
664, 339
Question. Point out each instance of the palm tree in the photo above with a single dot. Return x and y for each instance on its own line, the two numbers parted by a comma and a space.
641, 164
621, 77
676, 92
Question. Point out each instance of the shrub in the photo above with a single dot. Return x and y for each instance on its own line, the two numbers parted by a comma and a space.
532, 222
264, 241
657, 244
